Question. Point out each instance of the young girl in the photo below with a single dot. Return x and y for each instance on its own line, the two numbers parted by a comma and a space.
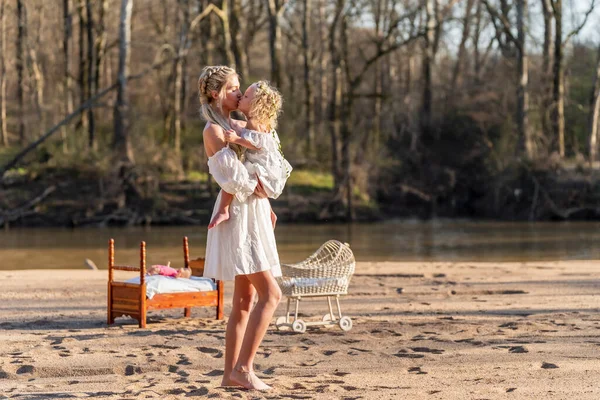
261, 104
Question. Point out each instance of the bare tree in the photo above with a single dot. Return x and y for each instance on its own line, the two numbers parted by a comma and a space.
428, 64
462, 47
184, 21
558, 91
121, 141
594, 114
91, 64
67, 79
21, 37
82, 75
506, 38
237, 45
275, 9
3, 124
309, 111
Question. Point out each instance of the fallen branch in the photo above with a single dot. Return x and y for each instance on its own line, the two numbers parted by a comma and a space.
26, 209
91, 101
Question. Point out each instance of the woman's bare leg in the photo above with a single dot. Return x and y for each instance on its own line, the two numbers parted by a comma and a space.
243, 296
222, 214
269, 296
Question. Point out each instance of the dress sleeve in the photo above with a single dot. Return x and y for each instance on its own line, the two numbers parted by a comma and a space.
257, 139
231, 175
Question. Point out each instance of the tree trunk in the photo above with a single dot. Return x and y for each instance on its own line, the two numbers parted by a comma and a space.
100, 42
477, 63
322, 76
558, 90
121, 141
81, 81
3, 124
594, 114
546, 72
526, 143
347, 114
274, 8
91, 91
462, 47
427, 65
335, 99
22, 32
67, 81
179, 76
309, 112
241, 56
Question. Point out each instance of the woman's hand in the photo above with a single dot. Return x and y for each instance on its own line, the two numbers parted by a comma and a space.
259, 191
273, 218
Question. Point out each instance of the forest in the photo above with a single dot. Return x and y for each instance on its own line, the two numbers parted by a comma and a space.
479, 109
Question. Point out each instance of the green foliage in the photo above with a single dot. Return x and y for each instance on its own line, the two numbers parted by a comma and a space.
308, 182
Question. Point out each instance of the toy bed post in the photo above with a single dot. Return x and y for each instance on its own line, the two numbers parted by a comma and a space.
142, 322
187, 311
111, 264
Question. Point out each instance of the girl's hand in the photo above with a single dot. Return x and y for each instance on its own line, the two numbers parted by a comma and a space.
273, 218
231, 136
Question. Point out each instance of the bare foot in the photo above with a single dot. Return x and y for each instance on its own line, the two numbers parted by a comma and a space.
228, 383
222, 216
247, 379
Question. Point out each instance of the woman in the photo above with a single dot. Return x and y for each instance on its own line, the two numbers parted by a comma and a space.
244, 248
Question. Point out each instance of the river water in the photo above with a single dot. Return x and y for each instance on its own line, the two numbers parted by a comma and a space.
438, 240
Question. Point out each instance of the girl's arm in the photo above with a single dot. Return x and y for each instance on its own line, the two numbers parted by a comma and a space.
233, 137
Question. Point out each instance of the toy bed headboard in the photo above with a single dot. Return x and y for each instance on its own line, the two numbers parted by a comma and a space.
196, 265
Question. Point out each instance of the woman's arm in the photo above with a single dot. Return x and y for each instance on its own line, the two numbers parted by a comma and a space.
214, 141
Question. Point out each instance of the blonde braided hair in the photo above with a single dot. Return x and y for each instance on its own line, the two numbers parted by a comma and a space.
214, 78
266, 105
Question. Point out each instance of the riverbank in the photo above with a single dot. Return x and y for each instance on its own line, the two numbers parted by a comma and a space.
436, 330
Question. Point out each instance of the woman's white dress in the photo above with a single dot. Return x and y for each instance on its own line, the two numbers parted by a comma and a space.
244, 244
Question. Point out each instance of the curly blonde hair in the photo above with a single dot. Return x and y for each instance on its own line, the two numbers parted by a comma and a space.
265, 108
214, 78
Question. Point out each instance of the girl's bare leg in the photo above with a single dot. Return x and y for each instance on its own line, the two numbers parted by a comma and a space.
269, 296
243, 296
222, 214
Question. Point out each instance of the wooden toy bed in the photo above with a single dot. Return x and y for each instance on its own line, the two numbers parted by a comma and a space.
130, 298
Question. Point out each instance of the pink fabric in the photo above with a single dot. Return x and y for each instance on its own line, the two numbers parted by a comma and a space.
167, 271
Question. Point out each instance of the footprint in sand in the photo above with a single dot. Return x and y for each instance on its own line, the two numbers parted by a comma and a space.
518, 349
269, 371
426, 350
215, 372
329, 352
26, 369
546, 365
417, 371
340, 373
183, 360
405, 354
215, 353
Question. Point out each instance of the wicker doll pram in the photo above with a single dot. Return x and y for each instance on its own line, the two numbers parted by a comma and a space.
326, 273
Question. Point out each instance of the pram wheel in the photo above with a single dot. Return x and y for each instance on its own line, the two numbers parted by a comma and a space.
299, 326
345, 323
326, 318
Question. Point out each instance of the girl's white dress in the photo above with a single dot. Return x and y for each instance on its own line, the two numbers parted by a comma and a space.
267, 162
244, 244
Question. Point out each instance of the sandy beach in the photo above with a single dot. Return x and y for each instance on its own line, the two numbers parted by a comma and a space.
421, 331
